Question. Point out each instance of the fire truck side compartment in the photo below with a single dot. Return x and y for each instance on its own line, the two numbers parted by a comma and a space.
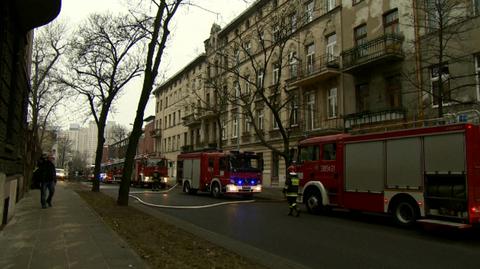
404, 163
360, 158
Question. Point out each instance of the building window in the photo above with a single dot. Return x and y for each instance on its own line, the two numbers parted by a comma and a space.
248, 124
330, 48
293, 64
477, 71
224, 129
360, 36
236, 87
260, 119
235, 126
294, 111
260, 79
293, 22
276, 73
247, 46
394, 91
440, 78
276, 33
330, 4
236, 55
310, 57
274, 123
310, 111
332, 103
361, 96
390, 22
476, 7
174, 118
309, 7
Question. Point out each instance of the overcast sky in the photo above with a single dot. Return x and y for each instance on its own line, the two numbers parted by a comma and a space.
191, 28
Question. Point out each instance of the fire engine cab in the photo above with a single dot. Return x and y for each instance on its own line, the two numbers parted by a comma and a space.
220, 172
429, 174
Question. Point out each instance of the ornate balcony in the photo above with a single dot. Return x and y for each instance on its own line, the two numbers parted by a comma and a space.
315, 69
206, 114
191, 120
359, 120
379, 50
156, 133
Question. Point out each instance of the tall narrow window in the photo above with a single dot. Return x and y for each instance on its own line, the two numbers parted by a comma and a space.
260, 79
247, 84
361, 96
310, 111
276, 73
309, 6
390, 22
293, 64
332, 103
330, 48
293, 22
394, 91
235, 126
440, 78
310, 58
294, 111
248, 124
476, 7
248, 47
224, 129
276, 33
477, 71
330, 4
360, 36
260, 119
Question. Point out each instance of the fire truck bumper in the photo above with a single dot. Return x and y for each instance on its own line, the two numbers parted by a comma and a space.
231, 188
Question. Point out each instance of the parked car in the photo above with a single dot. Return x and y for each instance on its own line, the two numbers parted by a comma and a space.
60, 173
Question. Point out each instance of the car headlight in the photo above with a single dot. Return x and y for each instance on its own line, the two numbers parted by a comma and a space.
164, 179
148, 178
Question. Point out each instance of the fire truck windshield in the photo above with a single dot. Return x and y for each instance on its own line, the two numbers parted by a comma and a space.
245, 163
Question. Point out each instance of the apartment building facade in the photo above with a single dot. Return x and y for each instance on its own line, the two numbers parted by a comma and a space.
286, 70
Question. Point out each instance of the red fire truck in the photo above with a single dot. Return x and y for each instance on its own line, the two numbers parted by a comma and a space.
144, 169
112, 171
430, 174
220, 172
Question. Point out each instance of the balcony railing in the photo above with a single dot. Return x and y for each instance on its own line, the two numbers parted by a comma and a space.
190, 120
156, 133
388, 46
374, 118
314, 69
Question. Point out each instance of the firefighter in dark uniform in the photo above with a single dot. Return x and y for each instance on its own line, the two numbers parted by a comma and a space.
291, 192
156, 181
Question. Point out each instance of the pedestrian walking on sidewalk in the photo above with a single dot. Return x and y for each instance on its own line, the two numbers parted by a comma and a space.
291, 192
47, 180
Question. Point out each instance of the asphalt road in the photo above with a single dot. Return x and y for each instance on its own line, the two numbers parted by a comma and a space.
336, 240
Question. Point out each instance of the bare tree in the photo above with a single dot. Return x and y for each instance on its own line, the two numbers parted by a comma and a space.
442, 28
240, 67
118, 133
159, 32
46, 93
104, 58
64, 150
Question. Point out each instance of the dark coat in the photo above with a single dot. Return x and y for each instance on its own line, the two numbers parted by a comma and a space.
47, 171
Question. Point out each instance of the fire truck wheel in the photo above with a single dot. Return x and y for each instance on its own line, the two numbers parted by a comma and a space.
313, 201
216, 192
405, 212
187, 188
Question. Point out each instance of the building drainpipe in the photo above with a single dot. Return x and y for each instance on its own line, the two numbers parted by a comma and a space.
418, 59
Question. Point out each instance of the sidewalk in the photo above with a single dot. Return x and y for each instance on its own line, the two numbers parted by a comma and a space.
67, 235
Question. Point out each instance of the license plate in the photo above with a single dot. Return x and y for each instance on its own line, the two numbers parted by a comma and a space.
246, 188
